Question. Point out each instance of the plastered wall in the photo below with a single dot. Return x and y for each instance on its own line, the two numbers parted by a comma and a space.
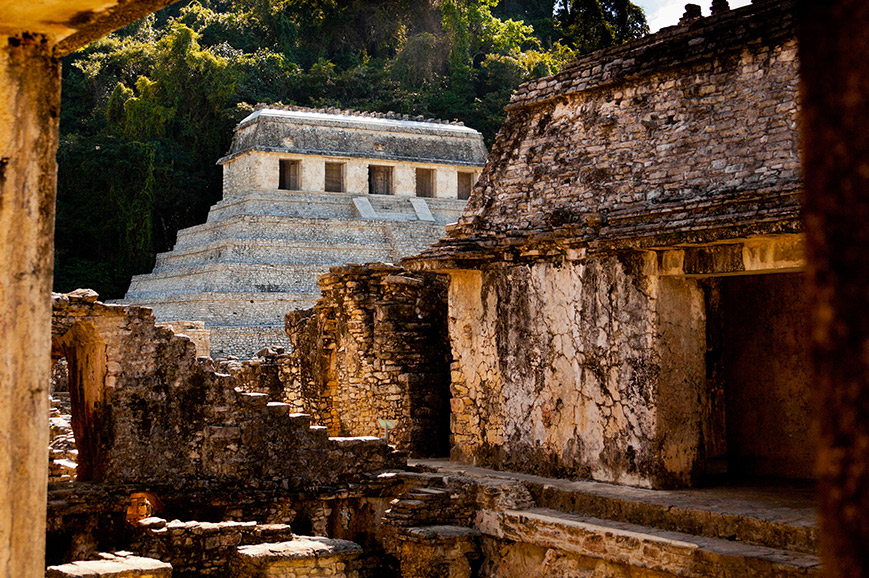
580, 369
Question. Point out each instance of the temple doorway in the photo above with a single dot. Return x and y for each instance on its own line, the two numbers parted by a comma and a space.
757, 372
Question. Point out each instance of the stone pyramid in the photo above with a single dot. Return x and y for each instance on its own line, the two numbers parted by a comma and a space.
263, 246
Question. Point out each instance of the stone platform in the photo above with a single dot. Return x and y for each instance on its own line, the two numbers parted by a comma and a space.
260, 252
302, 557
118, 565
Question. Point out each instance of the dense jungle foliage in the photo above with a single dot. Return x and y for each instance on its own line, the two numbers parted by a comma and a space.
148, 110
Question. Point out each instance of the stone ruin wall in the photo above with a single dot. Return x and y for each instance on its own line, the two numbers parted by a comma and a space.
374, 347
145, 410
195, 331
577, 354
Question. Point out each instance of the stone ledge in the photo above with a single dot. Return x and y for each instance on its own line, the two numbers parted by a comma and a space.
436, 534
120, 566
644, 547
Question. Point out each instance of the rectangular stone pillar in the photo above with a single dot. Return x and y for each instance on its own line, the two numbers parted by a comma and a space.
680, 391
29, 106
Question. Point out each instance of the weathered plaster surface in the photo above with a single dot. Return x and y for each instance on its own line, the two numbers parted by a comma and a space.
559, 369
29, 107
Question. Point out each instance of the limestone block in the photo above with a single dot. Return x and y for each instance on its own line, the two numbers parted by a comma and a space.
437, 551
116, 566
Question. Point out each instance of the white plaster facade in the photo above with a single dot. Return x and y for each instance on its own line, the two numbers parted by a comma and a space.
356, 142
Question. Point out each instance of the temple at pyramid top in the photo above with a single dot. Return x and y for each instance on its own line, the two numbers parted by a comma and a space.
305, 190
307, 150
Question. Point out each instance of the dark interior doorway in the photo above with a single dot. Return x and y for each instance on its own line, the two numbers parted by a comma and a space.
758, 377
379, 180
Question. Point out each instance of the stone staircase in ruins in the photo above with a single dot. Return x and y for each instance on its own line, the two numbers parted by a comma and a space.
259, 254
437, 527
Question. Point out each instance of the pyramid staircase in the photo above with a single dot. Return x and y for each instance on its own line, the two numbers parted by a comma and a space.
259, 254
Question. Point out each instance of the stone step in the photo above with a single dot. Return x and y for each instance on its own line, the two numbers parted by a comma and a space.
271, 251
307, 229
223, 278
284, 204
427, 493
392, 208
777, 516
329, 205
644, 547
225, 309
245, 226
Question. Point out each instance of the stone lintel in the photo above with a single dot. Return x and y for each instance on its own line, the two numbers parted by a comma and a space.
307, 153
774, 254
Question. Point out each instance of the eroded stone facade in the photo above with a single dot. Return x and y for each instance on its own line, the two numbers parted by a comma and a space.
578, 309
374, 348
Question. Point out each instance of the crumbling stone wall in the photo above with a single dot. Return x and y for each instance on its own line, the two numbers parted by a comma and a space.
201, 549
374, 347
146, 410
84, 519
576, 317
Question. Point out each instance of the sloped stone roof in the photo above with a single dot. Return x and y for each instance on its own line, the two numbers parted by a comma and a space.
332, 132
685, 136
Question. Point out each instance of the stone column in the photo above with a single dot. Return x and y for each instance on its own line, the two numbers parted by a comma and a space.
834, 54
29, 106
